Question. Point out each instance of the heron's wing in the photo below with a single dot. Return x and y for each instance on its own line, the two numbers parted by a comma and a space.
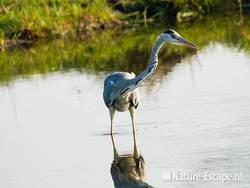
127, 85
115, 84
119, 84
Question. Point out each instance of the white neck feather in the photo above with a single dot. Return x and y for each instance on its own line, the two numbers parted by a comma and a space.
138, 80
153, 62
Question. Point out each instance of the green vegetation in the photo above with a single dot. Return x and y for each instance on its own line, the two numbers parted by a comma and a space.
50, 17
76, 17
117, 49
126, 50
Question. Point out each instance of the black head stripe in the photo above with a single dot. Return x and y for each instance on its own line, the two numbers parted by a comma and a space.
169, 31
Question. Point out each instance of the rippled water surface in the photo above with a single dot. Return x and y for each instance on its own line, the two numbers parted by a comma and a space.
194, 118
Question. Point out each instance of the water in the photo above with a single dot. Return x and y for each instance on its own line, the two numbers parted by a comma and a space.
193, 119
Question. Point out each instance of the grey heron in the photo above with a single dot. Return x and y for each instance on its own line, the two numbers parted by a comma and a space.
121, 91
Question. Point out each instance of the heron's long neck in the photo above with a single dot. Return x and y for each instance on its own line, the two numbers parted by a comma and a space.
152, 65
137, 81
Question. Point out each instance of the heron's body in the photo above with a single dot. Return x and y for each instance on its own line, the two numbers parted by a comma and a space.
122, 102
121, 91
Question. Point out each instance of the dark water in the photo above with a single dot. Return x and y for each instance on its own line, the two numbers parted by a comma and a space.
193, 119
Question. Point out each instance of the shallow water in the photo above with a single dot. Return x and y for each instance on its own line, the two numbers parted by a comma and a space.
192, 123
194, 120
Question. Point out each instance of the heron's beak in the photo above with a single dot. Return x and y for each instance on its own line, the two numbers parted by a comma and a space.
186, 42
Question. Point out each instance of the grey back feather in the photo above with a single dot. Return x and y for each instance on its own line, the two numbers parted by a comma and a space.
114, 84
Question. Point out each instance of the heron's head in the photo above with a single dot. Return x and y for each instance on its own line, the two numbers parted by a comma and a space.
175, 38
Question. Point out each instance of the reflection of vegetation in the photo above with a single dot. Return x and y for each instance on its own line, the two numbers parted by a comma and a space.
117, 50
108, 51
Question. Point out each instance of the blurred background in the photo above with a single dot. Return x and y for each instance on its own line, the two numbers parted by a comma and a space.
60, 34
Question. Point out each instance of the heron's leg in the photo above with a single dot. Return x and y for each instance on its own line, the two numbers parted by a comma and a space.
114, 148
132, 115
111, 113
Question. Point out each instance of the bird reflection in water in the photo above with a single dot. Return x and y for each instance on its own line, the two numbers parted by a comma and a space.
128, 170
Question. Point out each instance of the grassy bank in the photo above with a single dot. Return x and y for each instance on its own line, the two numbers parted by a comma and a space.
116, 49
52, 17
31, 19
126, 50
